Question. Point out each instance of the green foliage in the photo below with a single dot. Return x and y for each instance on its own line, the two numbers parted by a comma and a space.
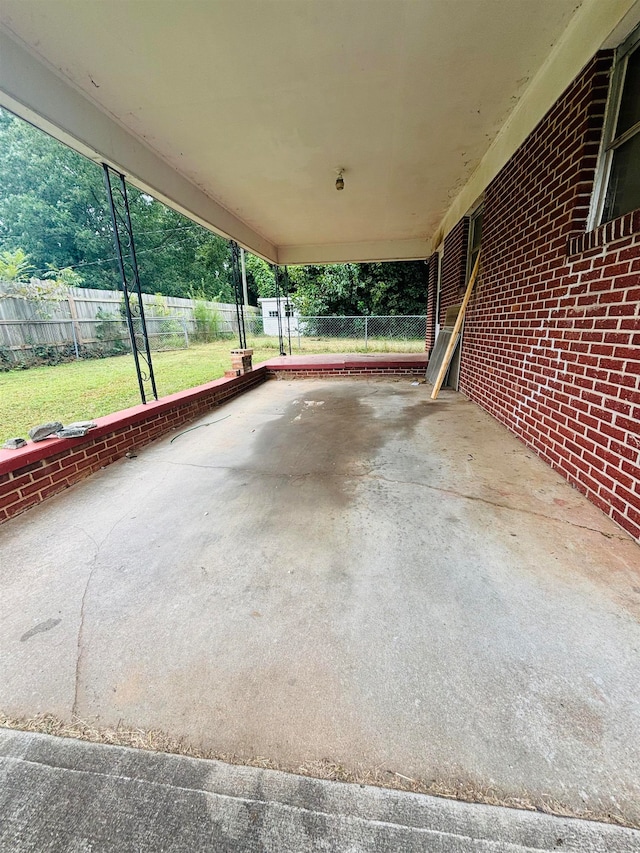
7, 361
323, 290
208, 322
111, 334
260, 277
14, 266
39, 355
160, 307
66, 277
357, 289
395, 288
134, 306
168, 325
54, 206
39, 291
48, 354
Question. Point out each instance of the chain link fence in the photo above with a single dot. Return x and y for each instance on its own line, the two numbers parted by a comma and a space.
27, 342
376, 333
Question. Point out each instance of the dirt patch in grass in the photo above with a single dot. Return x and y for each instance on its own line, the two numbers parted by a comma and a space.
155, 740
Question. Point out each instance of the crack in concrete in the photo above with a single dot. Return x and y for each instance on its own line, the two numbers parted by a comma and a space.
354, 475
80, 641
479, 499
198, 465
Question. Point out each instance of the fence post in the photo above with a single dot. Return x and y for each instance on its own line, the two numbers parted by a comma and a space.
186, 333
366, 332
75, 339
75, 325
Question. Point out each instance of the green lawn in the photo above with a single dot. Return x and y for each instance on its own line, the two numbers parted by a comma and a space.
81, 390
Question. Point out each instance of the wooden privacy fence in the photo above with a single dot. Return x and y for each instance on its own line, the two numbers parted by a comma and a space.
88, 323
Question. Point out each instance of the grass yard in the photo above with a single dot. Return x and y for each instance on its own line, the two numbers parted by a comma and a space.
82, 390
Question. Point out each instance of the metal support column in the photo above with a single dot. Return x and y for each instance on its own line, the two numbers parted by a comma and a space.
287, 304
276, 273
237, 290
129, 278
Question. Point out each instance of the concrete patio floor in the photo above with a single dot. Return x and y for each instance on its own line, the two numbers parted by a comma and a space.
340, 571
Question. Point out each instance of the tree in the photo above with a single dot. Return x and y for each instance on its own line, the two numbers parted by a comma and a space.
53, 205
66, 276
260, 277
14, 275
395, 288
14, 266
377, 288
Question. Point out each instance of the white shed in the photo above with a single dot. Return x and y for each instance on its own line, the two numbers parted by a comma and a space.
288, 315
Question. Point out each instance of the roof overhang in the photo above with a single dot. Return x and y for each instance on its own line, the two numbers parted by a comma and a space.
239, 112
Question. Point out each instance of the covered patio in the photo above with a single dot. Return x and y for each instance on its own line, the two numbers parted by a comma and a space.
340, 574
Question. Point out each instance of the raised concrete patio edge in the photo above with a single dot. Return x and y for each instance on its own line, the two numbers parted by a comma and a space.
66, 794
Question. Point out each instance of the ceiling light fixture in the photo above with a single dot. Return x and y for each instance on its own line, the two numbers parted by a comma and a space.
340, 180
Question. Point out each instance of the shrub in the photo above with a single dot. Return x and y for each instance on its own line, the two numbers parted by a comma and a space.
7, 362
111, 333
208, 322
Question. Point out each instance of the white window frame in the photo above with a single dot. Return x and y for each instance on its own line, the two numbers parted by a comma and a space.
605, 155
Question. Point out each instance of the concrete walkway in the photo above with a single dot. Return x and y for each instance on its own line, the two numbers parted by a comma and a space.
63, 795
346, 572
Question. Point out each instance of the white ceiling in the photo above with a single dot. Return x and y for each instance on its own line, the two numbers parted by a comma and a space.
256, 102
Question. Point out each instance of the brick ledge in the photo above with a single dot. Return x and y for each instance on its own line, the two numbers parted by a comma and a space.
609, 232
13, 460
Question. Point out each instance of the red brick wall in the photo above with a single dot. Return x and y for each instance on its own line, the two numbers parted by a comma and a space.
432, 295
350, 372
34, 473
454, 266
552, 335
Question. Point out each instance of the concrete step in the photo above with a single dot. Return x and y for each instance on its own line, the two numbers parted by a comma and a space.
66, 795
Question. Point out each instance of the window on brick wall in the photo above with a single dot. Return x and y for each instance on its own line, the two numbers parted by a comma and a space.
618, 181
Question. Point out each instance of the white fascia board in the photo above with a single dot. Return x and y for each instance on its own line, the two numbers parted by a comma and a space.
585, 35
36, 93
343, 253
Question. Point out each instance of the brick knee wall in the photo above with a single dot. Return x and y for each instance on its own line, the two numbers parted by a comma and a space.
551, 343
349, 373
38, 471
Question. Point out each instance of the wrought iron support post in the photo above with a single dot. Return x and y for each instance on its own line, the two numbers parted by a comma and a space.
129, 277
237, 290
276, 274
287, 305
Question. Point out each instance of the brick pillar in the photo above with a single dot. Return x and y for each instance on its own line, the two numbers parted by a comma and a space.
240, 362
